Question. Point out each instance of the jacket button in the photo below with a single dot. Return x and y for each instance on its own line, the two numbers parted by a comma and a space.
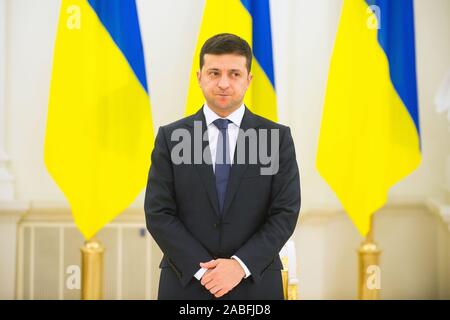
216, 225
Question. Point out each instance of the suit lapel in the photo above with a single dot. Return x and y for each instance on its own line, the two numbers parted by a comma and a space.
237, 170
205, 170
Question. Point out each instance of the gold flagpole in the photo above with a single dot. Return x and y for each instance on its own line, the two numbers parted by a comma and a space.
284, 277
369, 269
92, 270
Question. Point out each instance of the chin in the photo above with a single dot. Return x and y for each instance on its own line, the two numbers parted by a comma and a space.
223, 106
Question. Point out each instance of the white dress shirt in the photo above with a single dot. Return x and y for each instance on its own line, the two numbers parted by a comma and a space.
213, 134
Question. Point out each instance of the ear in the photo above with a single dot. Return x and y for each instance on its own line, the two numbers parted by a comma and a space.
249, 78
199, 75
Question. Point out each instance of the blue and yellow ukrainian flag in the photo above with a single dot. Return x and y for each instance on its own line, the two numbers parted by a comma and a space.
99, 132
370, 135
249, 19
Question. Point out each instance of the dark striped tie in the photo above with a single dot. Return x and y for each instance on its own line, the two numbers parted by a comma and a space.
223, 163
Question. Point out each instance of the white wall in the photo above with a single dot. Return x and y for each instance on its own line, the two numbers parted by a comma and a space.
169, 34
303, 38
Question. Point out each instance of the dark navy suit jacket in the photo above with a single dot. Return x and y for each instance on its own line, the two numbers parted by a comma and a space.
260, 213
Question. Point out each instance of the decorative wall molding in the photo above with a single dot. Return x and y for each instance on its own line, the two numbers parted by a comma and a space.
48, 211
59, 211
10, 214
321, 215
12, 210
441, 209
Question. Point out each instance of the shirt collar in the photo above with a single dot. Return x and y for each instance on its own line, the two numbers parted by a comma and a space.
235, 117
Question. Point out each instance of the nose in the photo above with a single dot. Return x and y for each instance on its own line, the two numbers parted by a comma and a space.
223, 82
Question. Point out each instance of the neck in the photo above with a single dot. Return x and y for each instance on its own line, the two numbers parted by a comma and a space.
224, 113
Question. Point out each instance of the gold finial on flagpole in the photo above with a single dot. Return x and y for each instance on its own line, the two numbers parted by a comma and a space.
92, 270
369, 269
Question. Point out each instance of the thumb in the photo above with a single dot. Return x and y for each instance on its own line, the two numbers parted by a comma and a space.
209, 264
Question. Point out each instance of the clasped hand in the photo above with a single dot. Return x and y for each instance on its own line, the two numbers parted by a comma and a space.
222, 276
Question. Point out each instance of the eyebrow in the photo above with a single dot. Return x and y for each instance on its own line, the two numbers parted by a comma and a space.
231, 70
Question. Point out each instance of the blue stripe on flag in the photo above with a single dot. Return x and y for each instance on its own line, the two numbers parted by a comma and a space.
396, 37
121, 20
262, 35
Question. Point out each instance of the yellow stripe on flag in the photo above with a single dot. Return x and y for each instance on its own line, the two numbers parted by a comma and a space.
99, 130
368, 140
218, 17
231, 17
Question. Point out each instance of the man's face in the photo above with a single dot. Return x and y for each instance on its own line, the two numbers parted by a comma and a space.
224, 79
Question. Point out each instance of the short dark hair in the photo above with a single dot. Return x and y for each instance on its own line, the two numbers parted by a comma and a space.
226, 43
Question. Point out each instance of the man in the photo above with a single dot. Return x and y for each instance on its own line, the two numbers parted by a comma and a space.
222, 221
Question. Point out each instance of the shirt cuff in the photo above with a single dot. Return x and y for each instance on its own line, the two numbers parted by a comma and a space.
199, 274
247, 272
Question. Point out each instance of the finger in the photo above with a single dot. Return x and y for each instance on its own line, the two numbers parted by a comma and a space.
206, 262
211, 284
221, 293
208, 277
209, 265
205, 280
215, 289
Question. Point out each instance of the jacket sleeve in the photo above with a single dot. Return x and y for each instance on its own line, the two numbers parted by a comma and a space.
264, 246
182, 251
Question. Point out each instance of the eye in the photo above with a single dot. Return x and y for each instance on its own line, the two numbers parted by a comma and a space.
213, 73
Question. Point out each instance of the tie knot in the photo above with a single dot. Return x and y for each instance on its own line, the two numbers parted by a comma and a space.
221, 123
